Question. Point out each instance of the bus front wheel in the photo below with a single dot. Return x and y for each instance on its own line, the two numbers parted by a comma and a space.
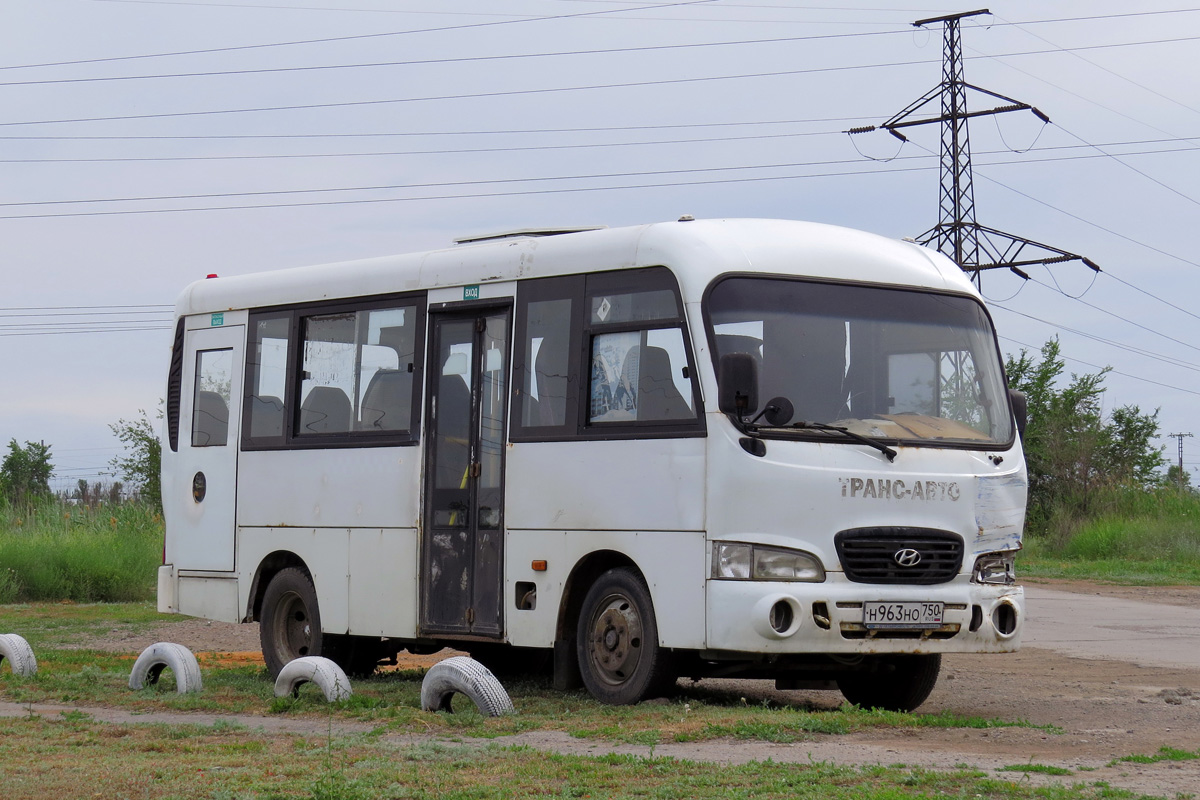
901, 683
290, 623
620, 659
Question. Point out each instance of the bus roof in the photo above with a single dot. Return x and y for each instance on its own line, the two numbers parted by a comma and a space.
695, 250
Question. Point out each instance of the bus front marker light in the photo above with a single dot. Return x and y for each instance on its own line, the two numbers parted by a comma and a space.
731, 560
740, 561
538, 565
786, 565
199, 487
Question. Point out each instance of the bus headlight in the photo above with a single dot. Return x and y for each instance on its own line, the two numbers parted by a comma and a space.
996, 568
738, 561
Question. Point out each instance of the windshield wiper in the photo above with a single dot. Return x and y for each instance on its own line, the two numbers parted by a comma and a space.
858, 437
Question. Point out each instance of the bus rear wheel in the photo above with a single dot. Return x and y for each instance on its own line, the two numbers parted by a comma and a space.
901, 683
620, 659
290, 623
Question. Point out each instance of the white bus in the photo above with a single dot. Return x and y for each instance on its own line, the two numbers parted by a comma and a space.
744, 448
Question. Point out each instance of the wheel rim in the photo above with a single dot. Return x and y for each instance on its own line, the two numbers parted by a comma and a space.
293, 627
615, 639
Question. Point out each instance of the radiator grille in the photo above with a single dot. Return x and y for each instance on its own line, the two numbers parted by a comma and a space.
886, 555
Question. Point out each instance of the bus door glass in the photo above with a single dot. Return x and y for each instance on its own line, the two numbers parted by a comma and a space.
211, 405
462, 547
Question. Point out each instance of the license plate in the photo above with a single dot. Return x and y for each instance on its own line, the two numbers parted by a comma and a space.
906, 616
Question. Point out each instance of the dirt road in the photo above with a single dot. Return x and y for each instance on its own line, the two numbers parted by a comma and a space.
1115, 669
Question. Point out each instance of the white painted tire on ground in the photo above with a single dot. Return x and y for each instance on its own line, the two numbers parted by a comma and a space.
166, 655
19, 655
327, 675
464, 675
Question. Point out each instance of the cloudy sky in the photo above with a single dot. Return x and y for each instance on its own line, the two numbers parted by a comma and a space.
148, 143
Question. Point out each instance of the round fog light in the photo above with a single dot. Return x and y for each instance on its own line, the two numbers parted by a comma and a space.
781, 616
776, 616
1004, 619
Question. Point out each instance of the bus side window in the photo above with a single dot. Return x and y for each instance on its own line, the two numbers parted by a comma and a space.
550, 354
607, 349
267, 373
545, 359
210, 403
639, 356
386, 364
639, 376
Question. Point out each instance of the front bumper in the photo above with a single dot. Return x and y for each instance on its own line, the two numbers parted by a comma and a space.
745, 616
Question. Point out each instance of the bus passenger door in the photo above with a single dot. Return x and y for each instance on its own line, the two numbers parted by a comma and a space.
462, 556
204, 495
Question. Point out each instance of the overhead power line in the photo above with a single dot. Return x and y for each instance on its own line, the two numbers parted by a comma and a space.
865, 170
462, 196
1101, 67
545, 90
1138, 351
1117, 316
160, 306
1109, 368
501, 132
360, 36
1095, 225
113, 329
432, 185
518, 19
455, 60
1034, 158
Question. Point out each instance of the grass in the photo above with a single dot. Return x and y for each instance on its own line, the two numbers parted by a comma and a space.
1163, 754
64, 552
69, 674
1131, 537
57, 756
1039, 769
110, 554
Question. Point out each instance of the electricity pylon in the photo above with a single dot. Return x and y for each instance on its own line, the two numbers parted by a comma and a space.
972, 246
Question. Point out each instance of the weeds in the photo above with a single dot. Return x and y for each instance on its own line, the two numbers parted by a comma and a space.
1163, 754
56, 551
1041, 769
42, 759
1129, 536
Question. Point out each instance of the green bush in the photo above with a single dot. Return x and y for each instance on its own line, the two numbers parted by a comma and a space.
55, 551
1129, 535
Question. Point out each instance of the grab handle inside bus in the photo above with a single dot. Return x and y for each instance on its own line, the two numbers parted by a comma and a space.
737, 384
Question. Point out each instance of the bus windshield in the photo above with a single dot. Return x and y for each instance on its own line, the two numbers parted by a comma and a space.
885, 363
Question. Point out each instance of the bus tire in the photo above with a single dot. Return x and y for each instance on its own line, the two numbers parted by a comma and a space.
326, 674
166, 655
620, 660
19, 654
466, 676
902, 683
290, 623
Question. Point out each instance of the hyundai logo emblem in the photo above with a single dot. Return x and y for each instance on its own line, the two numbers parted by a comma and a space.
907, 557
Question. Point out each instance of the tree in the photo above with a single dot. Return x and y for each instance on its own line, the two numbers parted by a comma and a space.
1178, 477
25, 473
1072, 452
141, 463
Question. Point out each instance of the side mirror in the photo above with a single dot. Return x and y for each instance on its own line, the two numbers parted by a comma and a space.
737, 384
1020, 409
